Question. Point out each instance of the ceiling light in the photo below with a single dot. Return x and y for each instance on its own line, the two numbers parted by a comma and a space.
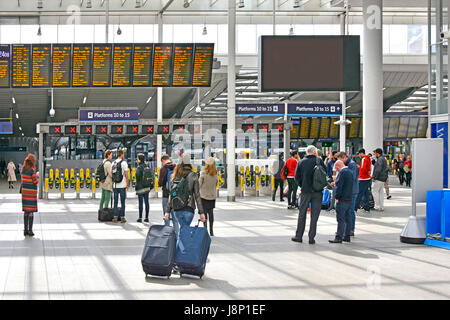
241, 4
84, 100
138, 3
39, 4
291, 31
205, 31
39, 33
17, 116
22, 134
187, 3
149, 98
13, 100
296, 3
119, 32
20, 128
89, 4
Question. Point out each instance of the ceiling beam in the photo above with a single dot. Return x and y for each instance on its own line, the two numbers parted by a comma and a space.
169, 2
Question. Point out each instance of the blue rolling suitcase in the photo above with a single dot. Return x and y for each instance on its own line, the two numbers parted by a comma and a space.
159, 251
192, 250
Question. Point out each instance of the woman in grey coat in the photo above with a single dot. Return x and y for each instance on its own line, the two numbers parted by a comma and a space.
208, 182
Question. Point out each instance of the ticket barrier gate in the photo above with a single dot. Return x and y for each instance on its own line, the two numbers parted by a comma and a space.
50, 180
241, 175
82, 181
157, 181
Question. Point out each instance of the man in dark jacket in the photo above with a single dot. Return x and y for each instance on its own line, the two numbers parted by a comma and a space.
355, 172
163, 183
380, 175
304, 176
344, 190
276, 171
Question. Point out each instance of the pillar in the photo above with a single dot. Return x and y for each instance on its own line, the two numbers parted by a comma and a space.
373, 75
159, 102
231, 108
41, 165
343, 99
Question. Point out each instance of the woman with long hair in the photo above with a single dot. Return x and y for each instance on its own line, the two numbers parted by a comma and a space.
30, 179
208, 183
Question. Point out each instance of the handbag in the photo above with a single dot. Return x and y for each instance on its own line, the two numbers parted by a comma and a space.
20, 189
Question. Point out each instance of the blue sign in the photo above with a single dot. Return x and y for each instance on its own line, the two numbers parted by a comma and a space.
13, 149
296, 109
260, 109
440, 130
6, 127
115, 115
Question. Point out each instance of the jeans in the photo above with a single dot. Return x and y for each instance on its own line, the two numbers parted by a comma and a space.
378, 194
333, 199
123, 195
343, 217
143, 198
185, 218
354, 209
106, 196
172, 216
278, 182
292, 195
408, 177
364, 194
315, 199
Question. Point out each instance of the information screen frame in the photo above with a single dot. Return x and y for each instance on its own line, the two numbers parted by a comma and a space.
50, 65
9, 57
210, 45
191, 66
130, 70
89, 84
170, 72
150, 71
108, 68
69, 82
12, 65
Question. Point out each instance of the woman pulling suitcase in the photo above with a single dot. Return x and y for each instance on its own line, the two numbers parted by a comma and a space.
208, 192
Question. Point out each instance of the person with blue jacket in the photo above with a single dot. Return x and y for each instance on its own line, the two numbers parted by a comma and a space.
330, 166
355, 171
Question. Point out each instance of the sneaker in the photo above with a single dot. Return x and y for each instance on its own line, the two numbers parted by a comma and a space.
352, 234
123, 220
139, 220
146, 220
114, 219
335, 241
175, 270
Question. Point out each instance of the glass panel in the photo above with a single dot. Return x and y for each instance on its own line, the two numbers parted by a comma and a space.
168, 33
246, 38
143, 33
282, 29
9, 34
210, 37
393, 128
49, 33
423, 126
99, 33
28, 34
182, 33
327, 29
417, 39
412, 127
403, 128
84, 33
222, 45
304, 29
385, 127
65, 33
398, 41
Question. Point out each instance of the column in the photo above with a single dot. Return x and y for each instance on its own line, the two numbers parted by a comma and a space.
373, 75
231, 108
41, 165
343, 98
159, 102
448, 105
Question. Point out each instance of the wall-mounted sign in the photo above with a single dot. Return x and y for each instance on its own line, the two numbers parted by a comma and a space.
314, 109
260, 109
115, 115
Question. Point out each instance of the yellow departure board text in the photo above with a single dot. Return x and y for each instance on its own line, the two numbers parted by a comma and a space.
354, 127
40, 65
142, 63
315, 127
334, 129
122, 65
324, 128
21, 66
5, 58
81, 65
304, 128
182, 65
162, 63
294, 131
101, 65
203, 59
61, 65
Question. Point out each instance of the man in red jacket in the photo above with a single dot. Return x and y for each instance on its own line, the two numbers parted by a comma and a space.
365, 182
288, 173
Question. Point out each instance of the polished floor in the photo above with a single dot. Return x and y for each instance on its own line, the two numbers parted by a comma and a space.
73, 256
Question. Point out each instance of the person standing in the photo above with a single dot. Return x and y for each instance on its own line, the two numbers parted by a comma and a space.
344, 193
304, 177
185, 215
291, 165
30, 180
165, 175
401, 172
353, 167
208, 183
276, 169
120, 170
142, 191
386, 183
331, 173
407, 168
365, 169
380, 175
11, 174
107, 185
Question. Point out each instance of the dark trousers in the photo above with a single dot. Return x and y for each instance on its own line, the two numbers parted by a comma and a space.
364, 194
280, 183
401, 176
292, 195
123, 194
143, 198
344, 219
315, 199
408, 179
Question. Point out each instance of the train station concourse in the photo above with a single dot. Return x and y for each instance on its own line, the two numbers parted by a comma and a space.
206, 150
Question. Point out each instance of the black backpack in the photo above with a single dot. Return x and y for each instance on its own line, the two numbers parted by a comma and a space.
101, 175
285, 170
117, 174
148, 178
180, 195
319, 177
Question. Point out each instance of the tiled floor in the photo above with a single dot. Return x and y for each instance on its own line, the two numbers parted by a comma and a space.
73, 256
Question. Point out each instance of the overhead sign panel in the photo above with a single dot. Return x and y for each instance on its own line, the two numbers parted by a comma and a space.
260, 109
142, 65
21, 65
162, 65
314, 109
203, 61
81, 65
108, 115
40, 65
101, 65
61, 54
6, 127
5, 65
182, 65
122, 65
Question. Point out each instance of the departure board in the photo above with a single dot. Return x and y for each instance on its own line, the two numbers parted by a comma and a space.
182, 65
122, 65
5, 57
81, 65
162, 63
315, 127
61, 65
294, 131
334, 129
142, 64
101, 65
40, 65
324, 128
361, 130
304, 128
354, 127
202, 70
21, 65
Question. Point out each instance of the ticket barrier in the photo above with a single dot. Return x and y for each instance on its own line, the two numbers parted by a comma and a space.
51, 180
82, 181
156, 181
72, 179
88, 178
57, 179
66, 178
94, 184
62, 188
242, 178
46, 185
258, 178
78, 187
220, 182
133, 177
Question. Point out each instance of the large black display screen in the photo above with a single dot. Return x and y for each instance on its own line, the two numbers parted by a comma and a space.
309, 63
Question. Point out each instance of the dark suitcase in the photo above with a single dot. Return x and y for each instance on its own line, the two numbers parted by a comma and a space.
105, 214
159, 251
371, 201
192, 250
